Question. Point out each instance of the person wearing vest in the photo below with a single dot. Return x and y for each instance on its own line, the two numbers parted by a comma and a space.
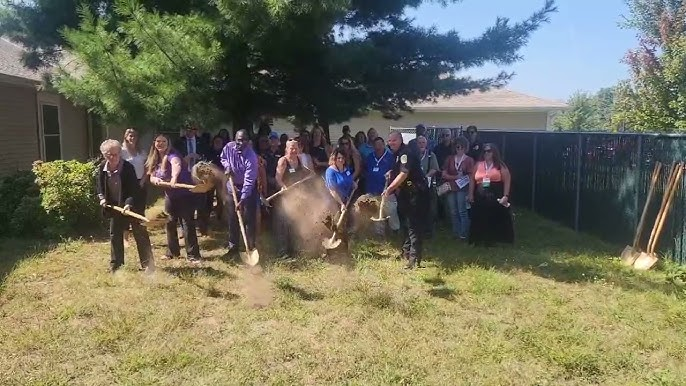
409, 184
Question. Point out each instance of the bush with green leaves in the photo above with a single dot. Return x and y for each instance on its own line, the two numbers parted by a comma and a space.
14, 188
67, 191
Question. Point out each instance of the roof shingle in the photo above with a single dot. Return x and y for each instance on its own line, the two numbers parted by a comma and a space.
10, 62
492, 99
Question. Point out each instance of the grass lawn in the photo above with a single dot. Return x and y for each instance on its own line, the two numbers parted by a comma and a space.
557, 309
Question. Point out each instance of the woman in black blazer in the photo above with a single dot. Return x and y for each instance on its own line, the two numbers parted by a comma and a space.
118, 185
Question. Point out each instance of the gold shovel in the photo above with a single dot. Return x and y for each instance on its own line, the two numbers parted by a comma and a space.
334, 242
249, 257
381, 206
631, 252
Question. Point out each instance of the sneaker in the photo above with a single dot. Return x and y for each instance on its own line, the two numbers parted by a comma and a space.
194, 260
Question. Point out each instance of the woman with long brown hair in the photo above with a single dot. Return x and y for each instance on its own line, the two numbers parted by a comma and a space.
166, 164
320, 150
489, 192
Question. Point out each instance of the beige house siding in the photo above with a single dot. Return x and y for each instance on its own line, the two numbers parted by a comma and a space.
483, 120
18, 133
21, 126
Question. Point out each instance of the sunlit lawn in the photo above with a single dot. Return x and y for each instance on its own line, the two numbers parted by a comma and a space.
556, 309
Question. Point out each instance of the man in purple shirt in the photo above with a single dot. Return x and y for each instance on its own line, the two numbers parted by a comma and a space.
240, 161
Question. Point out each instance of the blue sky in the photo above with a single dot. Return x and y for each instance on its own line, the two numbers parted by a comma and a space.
580, 49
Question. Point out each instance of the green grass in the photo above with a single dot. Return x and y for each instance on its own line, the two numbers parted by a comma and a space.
556, 309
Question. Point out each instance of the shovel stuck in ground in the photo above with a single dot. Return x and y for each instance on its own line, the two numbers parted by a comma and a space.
647, 259
334, 242
381, 217
249, 257
631, 252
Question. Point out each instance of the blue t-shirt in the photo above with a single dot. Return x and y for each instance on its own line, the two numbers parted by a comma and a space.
375, 172
340, 182
365, 150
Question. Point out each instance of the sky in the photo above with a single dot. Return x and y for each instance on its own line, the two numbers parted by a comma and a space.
579, 50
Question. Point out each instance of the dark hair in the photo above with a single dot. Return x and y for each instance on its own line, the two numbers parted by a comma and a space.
497, 160
472, 129
334, 154
462, 141
379, 139
360, 138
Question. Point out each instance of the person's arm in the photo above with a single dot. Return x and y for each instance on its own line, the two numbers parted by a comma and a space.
507, 179
404, 172
472, 183
280, 170
446, 170
357, 162
100, 186
433, 165
330, 178
250, 175
130, 183
224, 159
176, 170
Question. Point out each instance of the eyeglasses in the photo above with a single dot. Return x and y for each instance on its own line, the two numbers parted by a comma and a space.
345, 143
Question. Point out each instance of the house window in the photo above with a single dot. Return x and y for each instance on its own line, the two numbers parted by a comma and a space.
51, 132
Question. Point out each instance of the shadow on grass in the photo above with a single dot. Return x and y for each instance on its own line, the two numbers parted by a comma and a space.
13, 251
300, 292
190, 274
440, 288
550, 251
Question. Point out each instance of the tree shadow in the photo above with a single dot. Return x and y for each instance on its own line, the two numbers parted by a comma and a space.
549, 251
440, 288
300, 292
13, 251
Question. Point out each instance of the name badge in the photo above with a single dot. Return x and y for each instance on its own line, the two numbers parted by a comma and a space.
291, 170
375, 170
348, 172
486, 182
463, 181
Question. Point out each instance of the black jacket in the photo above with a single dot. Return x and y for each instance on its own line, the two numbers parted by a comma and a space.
129, 191
201, 148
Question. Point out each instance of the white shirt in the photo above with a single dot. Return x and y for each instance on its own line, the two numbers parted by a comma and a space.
138, 161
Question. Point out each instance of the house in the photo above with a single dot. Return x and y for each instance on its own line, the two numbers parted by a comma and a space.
37, 124
497, 109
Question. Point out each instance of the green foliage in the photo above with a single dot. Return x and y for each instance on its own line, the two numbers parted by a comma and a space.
654, 99
160, 62
587, 112
68, 195
16, 192
29, 218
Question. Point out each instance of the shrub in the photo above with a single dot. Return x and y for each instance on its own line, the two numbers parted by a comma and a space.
67, 190
18, 192
29, 218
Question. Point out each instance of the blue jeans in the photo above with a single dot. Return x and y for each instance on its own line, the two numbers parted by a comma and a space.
459, 216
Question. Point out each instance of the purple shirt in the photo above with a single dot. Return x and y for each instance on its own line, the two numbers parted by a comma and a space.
243, 166
183, 178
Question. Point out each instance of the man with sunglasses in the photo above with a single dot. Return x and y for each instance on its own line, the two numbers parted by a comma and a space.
475, 146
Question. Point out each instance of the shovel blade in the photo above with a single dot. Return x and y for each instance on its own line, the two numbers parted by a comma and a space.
629, 256
645, 261
379, 219
250, 258
331, 243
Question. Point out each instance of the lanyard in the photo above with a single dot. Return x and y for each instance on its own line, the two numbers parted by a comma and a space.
424, 156
487, 169
457, 165
378, 160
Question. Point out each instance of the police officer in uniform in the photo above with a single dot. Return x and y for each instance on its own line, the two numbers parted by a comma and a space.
412, 191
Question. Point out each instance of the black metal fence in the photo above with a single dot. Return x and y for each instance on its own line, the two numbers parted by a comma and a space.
595, 182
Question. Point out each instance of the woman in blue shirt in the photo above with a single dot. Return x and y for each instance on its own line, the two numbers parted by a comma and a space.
339, 180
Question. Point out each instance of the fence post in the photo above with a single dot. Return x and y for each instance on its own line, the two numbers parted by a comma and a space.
533, 175
578, 182
637, 195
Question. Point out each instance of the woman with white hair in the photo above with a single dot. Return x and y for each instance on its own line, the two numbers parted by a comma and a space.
117, 185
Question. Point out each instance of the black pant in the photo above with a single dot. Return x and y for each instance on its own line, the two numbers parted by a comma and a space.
249, 214
181, 209
413, 211
118, 224
204, 207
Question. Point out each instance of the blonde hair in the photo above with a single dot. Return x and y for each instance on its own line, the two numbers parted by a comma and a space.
154, 157
128, 131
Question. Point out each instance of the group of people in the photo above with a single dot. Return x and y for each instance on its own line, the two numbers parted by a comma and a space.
457, 176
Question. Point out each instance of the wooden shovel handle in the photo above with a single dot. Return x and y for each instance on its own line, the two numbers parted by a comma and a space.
668, 187
340, 219
280, 192
128, 213
651, 191
672, 193
238, 213
183, 186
